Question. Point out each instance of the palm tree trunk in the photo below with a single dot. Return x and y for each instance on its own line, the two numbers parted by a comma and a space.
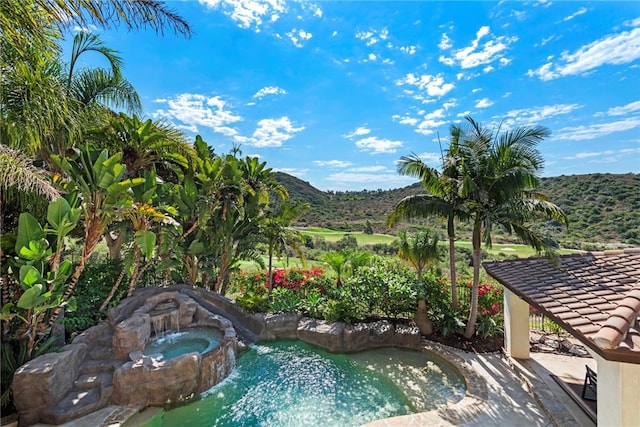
452, 263
473, 312
422, 321
113, 289
136, 269
269, 271
92, 236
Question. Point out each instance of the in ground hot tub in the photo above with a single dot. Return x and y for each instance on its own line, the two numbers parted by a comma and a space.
199, 339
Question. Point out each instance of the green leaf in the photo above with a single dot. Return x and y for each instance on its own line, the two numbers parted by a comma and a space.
146, 241
30, 276
36, 251
57, 211
28, 229
71, 305
196, 247
32, 297
64, 268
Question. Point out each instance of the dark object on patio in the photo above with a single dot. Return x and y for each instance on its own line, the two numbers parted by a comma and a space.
590, 384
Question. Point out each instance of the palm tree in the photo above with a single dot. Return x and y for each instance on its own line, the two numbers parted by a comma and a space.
421, 251
18, 171
42, 22
499, 176
278, 234
338, 263
442, 200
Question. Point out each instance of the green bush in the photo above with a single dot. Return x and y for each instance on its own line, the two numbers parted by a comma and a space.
92, 289
387, 287
313, 304
284, 300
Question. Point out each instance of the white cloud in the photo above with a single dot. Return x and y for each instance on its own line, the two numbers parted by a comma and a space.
293, 171
346, 179
249, 13
376, 145
364, 35
358, 132
369, 169
335, 33
409, 50
405, 120
606, 156
616, 49
580, 133
193, 110
433, 86
372, 36
269, 90
484, 103
297, 36
445, 42
477, 54
534, 115
332, 163
431, 122
372, 57
388, 61
430, 158
464, 114
621, 111
271, 133
579, 12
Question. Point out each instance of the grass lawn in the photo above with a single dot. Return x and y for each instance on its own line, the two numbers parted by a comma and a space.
333, 236
521, 251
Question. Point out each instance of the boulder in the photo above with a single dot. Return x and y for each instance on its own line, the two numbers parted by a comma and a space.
43, 381
155, 381
356, 337
382, 332
323, 334
217, 364
406, 337
282, 326
131, 335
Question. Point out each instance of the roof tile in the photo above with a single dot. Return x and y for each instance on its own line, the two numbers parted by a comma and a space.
596, 293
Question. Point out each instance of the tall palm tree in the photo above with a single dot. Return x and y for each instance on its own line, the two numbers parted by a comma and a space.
276, 228
421, 251
441, 201
499, 176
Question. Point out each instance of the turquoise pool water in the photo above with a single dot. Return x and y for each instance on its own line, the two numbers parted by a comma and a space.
290, 383
199, 339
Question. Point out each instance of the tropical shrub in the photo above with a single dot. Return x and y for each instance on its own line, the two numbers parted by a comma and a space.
284, 300
93, 287
253, 295
387, 287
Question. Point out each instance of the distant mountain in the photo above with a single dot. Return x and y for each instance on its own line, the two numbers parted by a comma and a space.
602, 208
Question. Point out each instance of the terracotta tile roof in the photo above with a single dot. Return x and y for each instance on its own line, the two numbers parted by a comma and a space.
595, 296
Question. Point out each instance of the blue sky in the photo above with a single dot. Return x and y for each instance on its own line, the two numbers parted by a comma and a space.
336, 92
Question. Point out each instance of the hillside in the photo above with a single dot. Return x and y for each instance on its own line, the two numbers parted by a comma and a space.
602, 208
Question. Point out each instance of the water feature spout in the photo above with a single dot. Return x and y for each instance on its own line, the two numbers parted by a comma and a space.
165, 322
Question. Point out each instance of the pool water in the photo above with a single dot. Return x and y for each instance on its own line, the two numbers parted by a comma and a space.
290, 383
198, 339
